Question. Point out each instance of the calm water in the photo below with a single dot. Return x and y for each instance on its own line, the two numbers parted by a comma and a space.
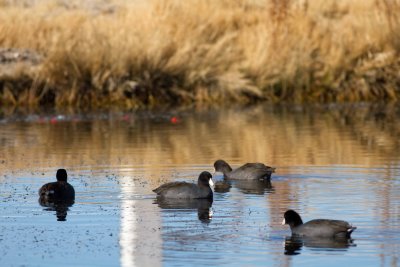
340, 162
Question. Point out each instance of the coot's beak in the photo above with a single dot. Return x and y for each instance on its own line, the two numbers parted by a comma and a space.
210, 213
210, 182
283, 222
214, 171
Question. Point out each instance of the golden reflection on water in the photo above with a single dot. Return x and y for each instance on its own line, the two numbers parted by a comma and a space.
277, 136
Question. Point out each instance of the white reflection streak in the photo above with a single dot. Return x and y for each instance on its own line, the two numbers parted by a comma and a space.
128, 231
140, 242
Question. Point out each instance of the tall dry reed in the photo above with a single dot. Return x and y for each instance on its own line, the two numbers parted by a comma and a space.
170, 51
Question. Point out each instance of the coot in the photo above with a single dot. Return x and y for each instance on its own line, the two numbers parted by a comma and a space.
249, 171
317, 228
60, 190
187, 190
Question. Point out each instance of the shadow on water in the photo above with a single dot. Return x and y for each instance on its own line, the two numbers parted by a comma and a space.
203, 206
61, 207
256, 187
293, 245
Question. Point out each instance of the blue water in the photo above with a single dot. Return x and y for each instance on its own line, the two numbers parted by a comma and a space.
326, 168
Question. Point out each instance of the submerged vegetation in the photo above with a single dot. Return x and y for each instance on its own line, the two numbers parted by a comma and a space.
151, 52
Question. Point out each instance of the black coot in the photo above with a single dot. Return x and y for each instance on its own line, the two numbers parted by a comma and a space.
60, 190
249, 171
318, 228
187, 190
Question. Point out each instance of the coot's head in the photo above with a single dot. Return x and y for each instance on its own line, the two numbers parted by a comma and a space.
292, 218
61, 175
205, 179
222, 166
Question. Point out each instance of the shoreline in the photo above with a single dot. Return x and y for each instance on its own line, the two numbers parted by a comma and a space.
19, 71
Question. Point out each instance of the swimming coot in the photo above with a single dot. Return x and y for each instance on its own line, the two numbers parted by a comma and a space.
187, 190
317, 228
249, 171
60, 190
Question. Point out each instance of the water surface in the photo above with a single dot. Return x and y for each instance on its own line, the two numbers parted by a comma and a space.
339, 162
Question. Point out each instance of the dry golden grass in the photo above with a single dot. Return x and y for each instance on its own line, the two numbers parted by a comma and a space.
170, 51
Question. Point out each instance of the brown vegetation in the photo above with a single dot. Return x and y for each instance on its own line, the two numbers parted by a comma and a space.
145, 53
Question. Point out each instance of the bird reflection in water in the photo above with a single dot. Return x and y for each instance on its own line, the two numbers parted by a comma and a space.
203, 206
294, 244
60, 206
256, 187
